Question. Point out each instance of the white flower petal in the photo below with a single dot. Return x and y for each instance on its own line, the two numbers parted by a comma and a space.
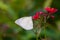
25, 22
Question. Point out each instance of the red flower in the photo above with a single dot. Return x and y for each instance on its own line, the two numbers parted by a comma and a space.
51, 10
48, 9
36, 16
40, 13
44, 14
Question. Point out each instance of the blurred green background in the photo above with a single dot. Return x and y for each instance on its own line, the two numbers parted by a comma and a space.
10, 10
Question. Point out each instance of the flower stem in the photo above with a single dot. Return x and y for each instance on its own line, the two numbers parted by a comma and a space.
45, 26
37, 36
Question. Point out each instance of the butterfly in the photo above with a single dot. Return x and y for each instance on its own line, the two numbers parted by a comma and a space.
25, 22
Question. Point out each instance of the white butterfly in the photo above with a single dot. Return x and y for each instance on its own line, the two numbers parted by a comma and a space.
25, 22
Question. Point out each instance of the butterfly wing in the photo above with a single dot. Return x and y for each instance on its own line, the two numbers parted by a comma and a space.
25, 22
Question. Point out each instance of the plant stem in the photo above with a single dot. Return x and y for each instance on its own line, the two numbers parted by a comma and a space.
38, 32
45, 26
47, 3
37, 36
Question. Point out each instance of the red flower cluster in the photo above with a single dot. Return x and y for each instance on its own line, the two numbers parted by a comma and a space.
48, 9
51, 11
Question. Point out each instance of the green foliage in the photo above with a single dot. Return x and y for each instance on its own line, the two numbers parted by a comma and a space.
10, 10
